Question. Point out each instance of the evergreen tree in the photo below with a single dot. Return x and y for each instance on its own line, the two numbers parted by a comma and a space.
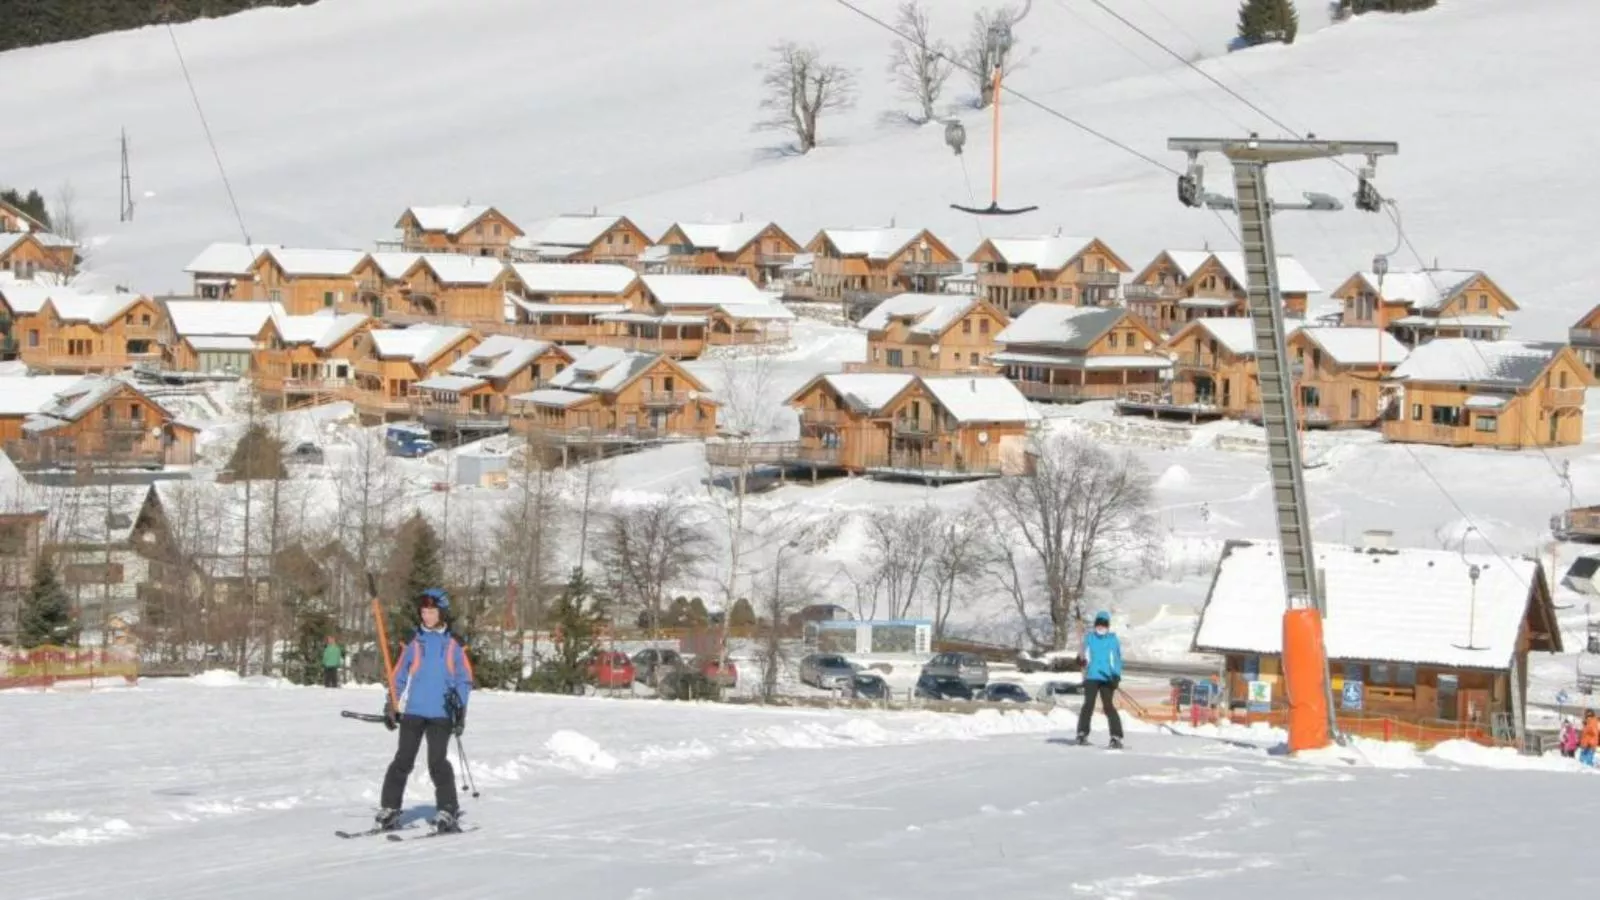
416, 553
1263, 21
46, 615
579, 615
33, 204
258, 456
743, 615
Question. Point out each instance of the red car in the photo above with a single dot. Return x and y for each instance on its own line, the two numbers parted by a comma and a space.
726, 674
611, 669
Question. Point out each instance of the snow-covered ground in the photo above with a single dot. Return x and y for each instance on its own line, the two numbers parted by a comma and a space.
209, 787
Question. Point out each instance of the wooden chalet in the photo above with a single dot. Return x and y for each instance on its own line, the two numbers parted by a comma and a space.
1435, 638
1015, 273
1420, 306
608, 395
389, 361
102, 422
680, 315
583, 239
1070, 354
29, 253
214, 336
58, 329
305, 281
22, 396
1584, 337
14, 220
931, 333
1179, 286
226, 271
1213, 373
466, 229
1504, 394
101, 536
755, 250
444, 288
473, 393
1339, 375
562, 303
308, 359
862, 267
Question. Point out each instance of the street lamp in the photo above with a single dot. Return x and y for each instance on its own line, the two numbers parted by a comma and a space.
1472, 617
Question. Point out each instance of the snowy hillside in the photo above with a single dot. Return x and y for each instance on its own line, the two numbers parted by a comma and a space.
333, 118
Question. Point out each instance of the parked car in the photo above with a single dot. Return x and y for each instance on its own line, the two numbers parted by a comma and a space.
1051, 690
1005, 692
611, 669
653, 663
867, 686
721, 672
827, 671
970, 668
1053, 661
941, 687
306, 452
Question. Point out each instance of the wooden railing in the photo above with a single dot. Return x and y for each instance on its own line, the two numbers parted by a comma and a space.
666, 398
1152, 292
1069, 393
1589, 337
812, 416
1564, 398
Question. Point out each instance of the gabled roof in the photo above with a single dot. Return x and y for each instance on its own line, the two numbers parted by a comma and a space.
574, 231
96, 309
723, 237
1428, 290
225, 258
1292, 276
26, 395
238, 318
863, 392
1358, 346
10, 239
1061, 325
873, 243
603, 370
1234, 333
307, 262
981, 398
322, 330
1507, 364
1408, 605
500, 357
452, 220
27, 219
931, 314
567, 278
459, 268
394, 264
420, 343
74, 402
1044, 252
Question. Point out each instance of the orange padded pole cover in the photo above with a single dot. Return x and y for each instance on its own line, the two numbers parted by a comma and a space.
1304, 670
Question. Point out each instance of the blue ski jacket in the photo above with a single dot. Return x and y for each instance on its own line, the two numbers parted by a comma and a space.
431, 666
1102, 657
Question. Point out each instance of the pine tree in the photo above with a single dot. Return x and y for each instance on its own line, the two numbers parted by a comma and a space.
743, 615
416, 553
46, 615
1263, 21
258, 456
579, 615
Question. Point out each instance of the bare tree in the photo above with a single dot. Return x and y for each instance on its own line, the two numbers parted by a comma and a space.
898, 552
800, 88
991, 43
370, 495
955, 560
1080, 518
922, 64
66, 221
787, 590
648, 548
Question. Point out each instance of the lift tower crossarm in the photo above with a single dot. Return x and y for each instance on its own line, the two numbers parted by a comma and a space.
1279, 151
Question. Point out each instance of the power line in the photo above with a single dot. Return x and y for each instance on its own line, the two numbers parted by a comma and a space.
207, 128
956, 63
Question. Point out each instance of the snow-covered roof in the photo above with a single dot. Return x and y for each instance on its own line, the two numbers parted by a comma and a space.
553, 397
242, 318
71, 403
419, 343
932, 314
498, 357
1359, 346
868, 391
723, 237
1048, 253
449, 219
394, 264
569, 278
227, 258
1429, 289
1407, 605
602, 370
1435, 323
765, 311
1464, 361
1292, 276
321, 329
302, 261
452, 383
873, 243
980, 398
459, 268
26, 395
1060, 325
92, 515
572, 231
221, 344
96, 309
703, 290
45, 238
575, 309
1238, 334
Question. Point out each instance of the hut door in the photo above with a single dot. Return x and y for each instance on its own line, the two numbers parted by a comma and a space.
1475, 707
1449, 698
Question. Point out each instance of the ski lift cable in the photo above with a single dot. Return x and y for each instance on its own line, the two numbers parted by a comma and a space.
1013, 92
206, 127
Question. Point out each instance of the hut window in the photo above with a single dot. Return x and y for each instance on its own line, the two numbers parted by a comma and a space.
1486, 424
1113, 340
983, 326
966, 326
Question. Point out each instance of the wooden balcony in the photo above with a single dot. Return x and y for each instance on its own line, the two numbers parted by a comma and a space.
931, 268
933, 466
908, 427
666, 399
732, 454
1195, 362
774, 259
117, 448
1152, 292
1563, 398
1098, 279
582, 434
61, 361
450, 418
1069, 393
832, 418
1584, 337
930, 368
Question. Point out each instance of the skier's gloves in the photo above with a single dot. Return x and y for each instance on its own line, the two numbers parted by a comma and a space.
461, 721
390, 718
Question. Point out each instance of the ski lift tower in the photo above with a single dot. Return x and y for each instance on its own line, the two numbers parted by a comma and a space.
1305, 661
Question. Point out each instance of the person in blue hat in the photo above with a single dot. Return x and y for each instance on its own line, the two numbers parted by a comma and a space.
1102, 673
432, 680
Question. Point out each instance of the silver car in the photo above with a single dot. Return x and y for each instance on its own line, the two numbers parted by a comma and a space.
969, 668
827, 671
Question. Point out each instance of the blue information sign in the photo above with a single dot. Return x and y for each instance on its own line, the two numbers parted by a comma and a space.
1354, 695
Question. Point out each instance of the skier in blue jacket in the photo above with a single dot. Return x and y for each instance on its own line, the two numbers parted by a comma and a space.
1102, 672
433, 680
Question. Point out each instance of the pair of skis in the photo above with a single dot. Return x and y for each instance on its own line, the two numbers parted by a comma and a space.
394, 834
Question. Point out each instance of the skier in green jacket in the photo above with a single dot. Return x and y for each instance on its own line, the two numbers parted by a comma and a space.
332, 659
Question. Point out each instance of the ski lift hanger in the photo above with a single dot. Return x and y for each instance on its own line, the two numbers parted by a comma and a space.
956, 135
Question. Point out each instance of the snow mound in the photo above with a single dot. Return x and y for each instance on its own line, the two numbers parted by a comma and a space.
579, 751
1175, 476
225, 678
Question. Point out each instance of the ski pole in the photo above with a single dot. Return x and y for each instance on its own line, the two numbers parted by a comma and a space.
466, 771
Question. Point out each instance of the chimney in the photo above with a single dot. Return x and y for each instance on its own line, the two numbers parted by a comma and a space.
1376, 539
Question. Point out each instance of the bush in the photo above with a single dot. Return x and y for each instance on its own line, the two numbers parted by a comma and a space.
684, 684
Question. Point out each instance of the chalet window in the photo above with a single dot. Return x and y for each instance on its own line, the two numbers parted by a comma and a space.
1561, 379
1483, 301
1449, 416
327, 298
33, 338
1416, 412
1316, 358
1113, 340
894, 358
1486, 424
144, 319
136, 413
966, 326
1311, 397
974, 358
916, 358
983, 326
627, 239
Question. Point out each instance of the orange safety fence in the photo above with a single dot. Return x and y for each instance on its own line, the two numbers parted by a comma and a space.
47, 665
1378, 727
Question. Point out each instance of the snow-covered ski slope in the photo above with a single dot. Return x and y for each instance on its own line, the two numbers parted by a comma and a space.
333, 118
203, 789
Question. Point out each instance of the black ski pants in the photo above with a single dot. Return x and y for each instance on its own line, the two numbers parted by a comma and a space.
330, 676
1106, 691
412, 731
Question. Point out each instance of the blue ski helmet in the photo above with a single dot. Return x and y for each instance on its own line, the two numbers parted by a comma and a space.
434, 597
1103, 616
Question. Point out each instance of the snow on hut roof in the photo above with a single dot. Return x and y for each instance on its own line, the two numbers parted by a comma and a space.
764, 311
703, 290
394, 264
931, 313
567, 278
98, 309
221, 343
242, 318
868, 391
1406, 605
449, 219
1359, 346
25, 395
553, 397
452, 383
1060, 325
310, 261
723, 237
873, 243
419, 343
602, 369
1464, 361
1428, 289
459, 268
1292, 276
71, 403
1238, 334
573, 231
227, 258
981, 398
1049, 253
499, 356
45, 238
92, 515
321, 329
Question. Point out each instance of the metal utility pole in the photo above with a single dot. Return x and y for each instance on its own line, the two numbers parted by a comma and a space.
1250, 158
126, 213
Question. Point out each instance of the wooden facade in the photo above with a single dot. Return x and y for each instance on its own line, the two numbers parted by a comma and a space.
562, 303
1339, 375
584, 239
757, 251
1213, 372
1523, 395
864, 266
1015, 273
226, 270
452, 290
470, 230
474, 392
1584, 337
932, 333
79, 333
1062, 353
305, 359
389, 362
307, 281
609, 395
26, 254
1433, 303
103, 423
1180, 286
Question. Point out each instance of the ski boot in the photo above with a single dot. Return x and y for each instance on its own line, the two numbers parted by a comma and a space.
1083, 740
1116, 744
387, 820
447, 821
